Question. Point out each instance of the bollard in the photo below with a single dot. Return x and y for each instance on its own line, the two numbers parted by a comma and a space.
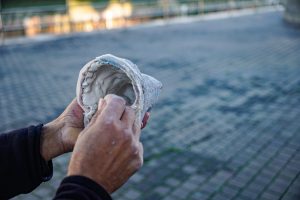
292, 11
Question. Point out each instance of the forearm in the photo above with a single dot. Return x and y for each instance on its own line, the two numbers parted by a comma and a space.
22, 168
80, 187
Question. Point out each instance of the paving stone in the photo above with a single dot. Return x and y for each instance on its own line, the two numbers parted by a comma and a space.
220, 177
197, 179
279, 186
219, 196
190, 186
229, 192
245, 197
132, 194
269, 196
261, 181
291, 197
172, 182
209, 188
136, 178
169, 198
189, 169
152, 196
255, 188
293, 189
199, 195
248, 194
180, 193
236, 184
162, 190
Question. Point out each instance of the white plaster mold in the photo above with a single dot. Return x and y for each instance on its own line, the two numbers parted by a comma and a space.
109, 74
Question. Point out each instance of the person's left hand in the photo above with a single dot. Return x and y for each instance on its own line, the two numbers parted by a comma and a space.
60, 135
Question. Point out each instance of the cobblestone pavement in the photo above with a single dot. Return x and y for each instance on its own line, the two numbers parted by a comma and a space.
226, 126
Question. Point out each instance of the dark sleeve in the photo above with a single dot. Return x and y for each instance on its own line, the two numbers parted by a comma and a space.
80, 188
22, 168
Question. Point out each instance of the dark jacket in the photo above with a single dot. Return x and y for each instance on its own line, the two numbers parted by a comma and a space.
22, 169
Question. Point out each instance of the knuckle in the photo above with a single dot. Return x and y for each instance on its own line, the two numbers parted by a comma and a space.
139, 153
127, 132
111, 124
138, 163
126, 136
135, 149
108, 121
136, 156
141, 149
141, 162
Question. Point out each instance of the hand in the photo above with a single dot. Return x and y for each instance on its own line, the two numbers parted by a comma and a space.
108, 150
60, 135
145, 120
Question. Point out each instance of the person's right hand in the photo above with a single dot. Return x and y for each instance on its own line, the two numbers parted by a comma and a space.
108, 151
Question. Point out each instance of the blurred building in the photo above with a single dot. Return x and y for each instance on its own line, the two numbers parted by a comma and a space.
292, 11
62, 16
29, 18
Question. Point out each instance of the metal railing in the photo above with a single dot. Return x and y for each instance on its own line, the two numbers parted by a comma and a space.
64, 19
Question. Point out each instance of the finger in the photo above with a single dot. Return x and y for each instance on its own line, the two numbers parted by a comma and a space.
100, 108
77, 111
101, 105
74, 103
128, 117
141, 152
115, 106
136, 130
138, 160
73, 110
145, 120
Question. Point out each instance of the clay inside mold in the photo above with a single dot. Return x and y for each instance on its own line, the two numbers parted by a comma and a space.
106, 80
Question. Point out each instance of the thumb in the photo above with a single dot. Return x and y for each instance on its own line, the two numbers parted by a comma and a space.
101, 106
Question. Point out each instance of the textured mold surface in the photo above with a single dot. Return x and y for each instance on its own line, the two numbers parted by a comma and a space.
109, 74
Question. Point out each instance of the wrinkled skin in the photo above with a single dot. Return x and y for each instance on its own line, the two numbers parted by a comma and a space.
60, 135
108, 150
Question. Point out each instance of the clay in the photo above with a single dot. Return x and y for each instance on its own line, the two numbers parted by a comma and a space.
109, 74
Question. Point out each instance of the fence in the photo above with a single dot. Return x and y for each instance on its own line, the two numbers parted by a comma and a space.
87, 17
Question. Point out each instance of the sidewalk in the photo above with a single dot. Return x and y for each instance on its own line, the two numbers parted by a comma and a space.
226, 125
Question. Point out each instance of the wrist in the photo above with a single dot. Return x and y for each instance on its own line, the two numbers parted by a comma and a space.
50, 140
78, 167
